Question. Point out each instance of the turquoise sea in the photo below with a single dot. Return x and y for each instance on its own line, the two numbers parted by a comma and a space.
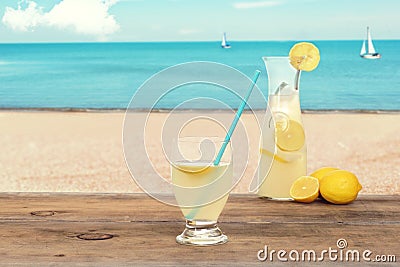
106, 75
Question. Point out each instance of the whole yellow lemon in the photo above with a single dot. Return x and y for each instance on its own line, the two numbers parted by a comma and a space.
321, 172
339, 187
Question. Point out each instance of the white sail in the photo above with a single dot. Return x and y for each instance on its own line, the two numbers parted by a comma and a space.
371, 49
363, 51
368, 49
223, 43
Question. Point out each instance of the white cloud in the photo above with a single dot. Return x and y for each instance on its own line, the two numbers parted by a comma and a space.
247, 5
89, 17
23, 19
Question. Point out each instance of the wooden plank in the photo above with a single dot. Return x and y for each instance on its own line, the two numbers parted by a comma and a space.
143, 230
47, 242
240, 208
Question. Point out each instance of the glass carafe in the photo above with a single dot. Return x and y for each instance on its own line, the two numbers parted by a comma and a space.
283, 138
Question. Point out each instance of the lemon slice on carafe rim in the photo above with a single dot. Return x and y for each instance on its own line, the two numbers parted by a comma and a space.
304, 56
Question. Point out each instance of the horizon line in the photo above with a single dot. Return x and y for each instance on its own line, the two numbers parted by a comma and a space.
183, 41
162, 110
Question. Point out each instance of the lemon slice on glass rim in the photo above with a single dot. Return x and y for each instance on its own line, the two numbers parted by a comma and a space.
304, 56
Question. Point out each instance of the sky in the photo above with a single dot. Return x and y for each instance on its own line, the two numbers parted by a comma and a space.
27, 21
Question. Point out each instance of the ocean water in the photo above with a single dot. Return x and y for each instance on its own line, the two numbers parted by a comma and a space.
106, 75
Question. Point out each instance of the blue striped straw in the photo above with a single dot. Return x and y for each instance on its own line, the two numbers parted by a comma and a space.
236, 120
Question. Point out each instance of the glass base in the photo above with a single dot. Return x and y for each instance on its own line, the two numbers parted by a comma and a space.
201, 233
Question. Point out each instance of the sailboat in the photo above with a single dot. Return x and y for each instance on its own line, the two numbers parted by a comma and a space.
224, 44
367, 49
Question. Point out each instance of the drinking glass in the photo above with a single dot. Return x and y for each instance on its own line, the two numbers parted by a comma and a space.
201, 188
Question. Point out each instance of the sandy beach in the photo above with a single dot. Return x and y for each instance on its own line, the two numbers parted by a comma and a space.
83, 152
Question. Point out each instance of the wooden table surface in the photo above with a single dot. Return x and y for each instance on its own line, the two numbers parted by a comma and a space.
135, 230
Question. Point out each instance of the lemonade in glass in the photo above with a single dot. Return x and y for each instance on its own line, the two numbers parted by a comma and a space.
201, 188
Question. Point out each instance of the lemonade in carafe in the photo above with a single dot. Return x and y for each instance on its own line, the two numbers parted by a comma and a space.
283, 138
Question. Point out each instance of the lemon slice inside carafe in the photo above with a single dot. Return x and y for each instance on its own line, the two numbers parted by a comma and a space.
291, 137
